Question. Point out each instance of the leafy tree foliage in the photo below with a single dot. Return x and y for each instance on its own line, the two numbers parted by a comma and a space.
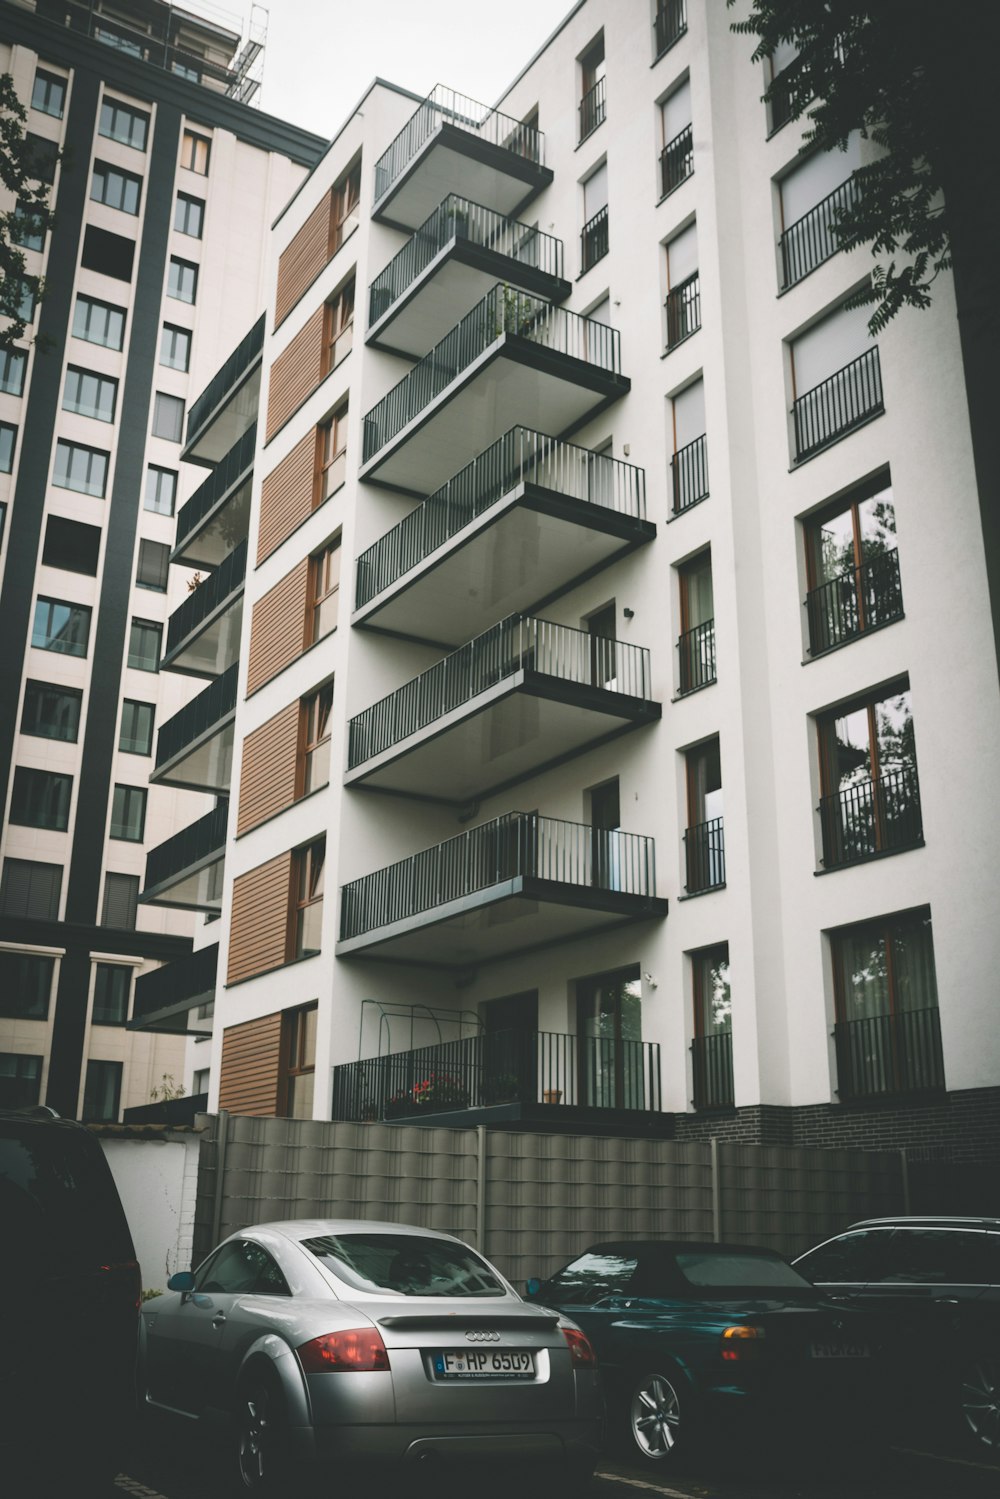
29, 218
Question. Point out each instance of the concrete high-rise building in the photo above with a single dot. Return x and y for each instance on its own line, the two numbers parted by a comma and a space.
164, 193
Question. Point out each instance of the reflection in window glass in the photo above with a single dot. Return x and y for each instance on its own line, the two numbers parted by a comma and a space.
405, 1265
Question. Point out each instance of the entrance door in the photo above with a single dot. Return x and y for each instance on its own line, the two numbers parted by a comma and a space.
509, 1042
609, 1034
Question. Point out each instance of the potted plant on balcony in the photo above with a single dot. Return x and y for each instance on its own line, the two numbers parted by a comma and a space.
440, 1090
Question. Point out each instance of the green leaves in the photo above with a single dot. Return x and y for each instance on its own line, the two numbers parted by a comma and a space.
30, 214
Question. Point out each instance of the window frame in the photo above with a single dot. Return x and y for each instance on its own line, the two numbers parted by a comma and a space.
64, 445
331, 455
165, 402
321, 589
23, 1074
175, 331
54, 690
315, 733
151, 626
88, 304
54, 790
123, 825
82, 611
50, 79
345, 199
39, 1002
105, 176
298, 1056
95, 409
175, 285
7, 454
130, 744
159, 549
18, 358
158, 474
181, 220
121, 972
308, 889
338, 325
110, 1073
191, 152
137, 117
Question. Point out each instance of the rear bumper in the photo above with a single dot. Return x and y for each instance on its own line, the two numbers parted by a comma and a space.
573, 1444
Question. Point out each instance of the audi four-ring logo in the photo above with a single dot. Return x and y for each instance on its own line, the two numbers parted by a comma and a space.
482, 1337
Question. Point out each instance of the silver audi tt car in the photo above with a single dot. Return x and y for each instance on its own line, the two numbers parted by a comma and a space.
346, 1341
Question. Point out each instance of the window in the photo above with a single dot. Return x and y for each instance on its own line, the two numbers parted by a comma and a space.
185, 70
30, 888
696, 646
90, 395
120, 122
317, 710
332, 454
144, 645
677, 155
189, 215
153, 565
712, 1051
338, 327
168, 417
344, 207
308, 871
8, 441
41, 157
182, 280
128, 813
161, 490
594, 235
24, 292
40, 799
683, 304
135, 736
28, 227
25, 985
836, 380
60, 627
299, 1061
870, 801
175, 347
670, 24
99, 323
20, 1080
72, 546
199, 1082
110, 254
121, 899
609, 1026
112, 986
195, 153
592, 93
51, 712
239, 1268
811, 198
80, 468
703, 841
324, 586
689, 465
102, 1092
852, 568
115, 187
12, 363
48, 94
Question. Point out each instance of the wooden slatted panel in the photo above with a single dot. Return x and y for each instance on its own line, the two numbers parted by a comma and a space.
250, 1074
278, 627
296, 373
287, 496
268, 774
302, 260
258, 930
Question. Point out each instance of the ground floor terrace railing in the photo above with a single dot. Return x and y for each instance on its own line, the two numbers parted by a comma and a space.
444, 106
689, 474
521, 456
712, 1058
696, 649
837, 405
880, 816
705, 856
880, 1054
516, 845
863, 598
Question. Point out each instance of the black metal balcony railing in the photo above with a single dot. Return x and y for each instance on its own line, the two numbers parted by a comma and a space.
239, 364
880, 816
190, 977
592, 109
885, 1054
696, 649
713, 1070
689, 474
676, 161
814, 237
503, 312
226, 581
521, 456
705, 856
153, 38
227, 473
670, 24
516, 644
443, 106
860, 599
459, 218
594, 239
500, 1067
198, 716
516, 845
838, 405
683, 307
787, 93
195, 844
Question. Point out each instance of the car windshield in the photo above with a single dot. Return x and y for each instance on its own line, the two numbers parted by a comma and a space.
405, 1265
739, 1270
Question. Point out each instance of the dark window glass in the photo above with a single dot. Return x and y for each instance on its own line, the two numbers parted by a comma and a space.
112, 986
153, 565
41, 156
136, 734
115, 187
851, 1259
110, 254
175, 347
593, 1275
40, 799
8, 441
102, 1091
168, 417
71, 545
128, 813
12, 363
80, 468
48, 95
182, 280
736, 1268
144, 645
60, 627
25, 985
51, 712
934, 1257
240, 1268
120, 122
195, 152
28, 227
189, 215
161, 490
99, 323
121, 899
20, 1080
30, 888
27, 298
90, 395
407, 1264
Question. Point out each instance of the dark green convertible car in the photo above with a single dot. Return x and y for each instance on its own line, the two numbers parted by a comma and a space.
692, 1335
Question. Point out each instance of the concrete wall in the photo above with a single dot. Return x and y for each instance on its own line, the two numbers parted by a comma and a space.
156, 1173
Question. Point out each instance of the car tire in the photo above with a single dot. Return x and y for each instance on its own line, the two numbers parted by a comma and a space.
979, 1400
657, 1427
261, 1441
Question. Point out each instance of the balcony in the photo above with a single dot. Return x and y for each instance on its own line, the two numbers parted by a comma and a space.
813, 238
449, 265
883, 1055
594, 239
683, 309
839, 405
705, 857
203, 633
670, 24
786, 96
165, 996
227, 406
194, 748
696, 650
185, 872
453, 144
593, 109
712, 1066
509, 1079
871, 818
862, 599
513, 360
676, 161
526, 520
689, 475
217, 516
154, 34
508, 886
519, 698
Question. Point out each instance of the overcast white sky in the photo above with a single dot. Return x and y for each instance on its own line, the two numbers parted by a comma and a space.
322, 54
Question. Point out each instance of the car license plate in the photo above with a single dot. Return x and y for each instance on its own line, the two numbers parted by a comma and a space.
839, 1350
482, 1363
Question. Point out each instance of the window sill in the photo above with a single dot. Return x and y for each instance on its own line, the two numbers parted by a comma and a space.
866, 421
587, 269
831, 650
884, 853
680, 342
589, 136
676, 514
669, 47
680, 697
664, 196
697, 894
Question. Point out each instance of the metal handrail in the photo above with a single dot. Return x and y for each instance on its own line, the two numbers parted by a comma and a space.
593, 109
208, 708
696, 649
521, 456
670, 24
895, 1053
683, 306
813, 238
227, 474
860, 599
594, 239
689, 474
226, 581
838, 404
712, 1059
196, 843
677, 161
877, 816
237, 366
444, 106
705, 856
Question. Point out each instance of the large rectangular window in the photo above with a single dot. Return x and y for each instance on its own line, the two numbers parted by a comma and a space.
161, 490
713, 1025
168, 417
136, 734
609, 1038
189, 215
144, 645
90, 395
182, 280
40, 799
121, 122
324, 590
683, 304
20, 1080
28, 227
99, 322
61, 627
48, 94
153, 565
121, 898
51, 712
12, 366
25, 985
195, 152
870, 802
110, 254
852, 568
338, 327
102, 1092
696, 645
308, 872
317, 711
704, 845
299, 1061
175, 347
333, 454
80, 468
112, 987
115, 187
30, 888
71, 545
128, 813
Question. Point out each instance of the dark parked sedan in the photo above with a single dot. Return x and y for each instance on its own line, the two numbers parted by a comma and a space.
686, 1332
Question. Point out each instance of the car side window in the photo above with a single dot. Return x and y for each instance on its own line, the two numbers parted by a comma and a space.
240, 1268
993, 1259
851, 1259
935, 1257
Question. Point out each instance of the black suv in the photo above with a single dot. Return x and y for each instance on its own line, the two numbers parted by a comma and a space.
936, 1282
71, 1292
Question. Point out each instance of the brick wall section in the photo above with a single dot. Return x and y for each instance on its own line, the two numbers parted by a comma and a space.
269, 768
302, 260
296, 373
278, 627
287, 496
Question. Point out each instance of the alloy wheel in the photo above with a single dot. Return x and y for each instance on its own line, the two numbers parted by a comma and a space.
980, 1395
655, 1417
254, 1449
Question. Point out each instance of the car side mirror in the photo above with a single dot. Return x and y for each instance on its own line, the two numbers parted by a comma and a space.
182, 1281
532, 1287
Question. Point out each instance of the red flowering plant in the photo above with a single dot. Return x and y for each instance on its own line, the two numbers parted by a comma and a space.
440, 1090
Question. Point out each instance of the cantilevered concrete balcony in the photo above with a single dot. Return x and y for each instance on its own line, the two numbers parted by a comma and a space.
514, 360
523, 696
519, 882
217, 516
185, 872
203, 633
449, 265
227, 406
194, 749
166, 996
453, 144
520, 524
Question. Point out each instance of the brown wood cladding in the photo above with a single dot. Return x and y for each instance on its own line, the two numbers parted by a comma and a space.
258, 930
287, 496
278, 627
296, 373
302, 260
268, 774
250, 1074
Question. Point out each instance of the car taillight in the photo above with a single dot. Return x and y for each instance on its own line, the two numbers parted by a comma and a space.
742, 1343
359, 1348
582, 1355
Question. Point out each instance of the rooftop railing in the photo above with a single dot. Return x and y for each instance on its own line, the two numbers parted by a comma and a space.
154, 40
239, 364
863, 598
813, 238
226, 474
878, 816
882, 1054
593, 109
670, 24
712, 1058
696, 649
226, 580
683, 306
443, 106
689, 474
705, 856
594, 239
838, 405
677, 161
204, 711
193, 845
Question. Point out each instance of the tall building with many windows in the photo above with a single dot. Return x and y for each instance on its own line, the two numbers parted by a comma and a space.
164, 185
605, 756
